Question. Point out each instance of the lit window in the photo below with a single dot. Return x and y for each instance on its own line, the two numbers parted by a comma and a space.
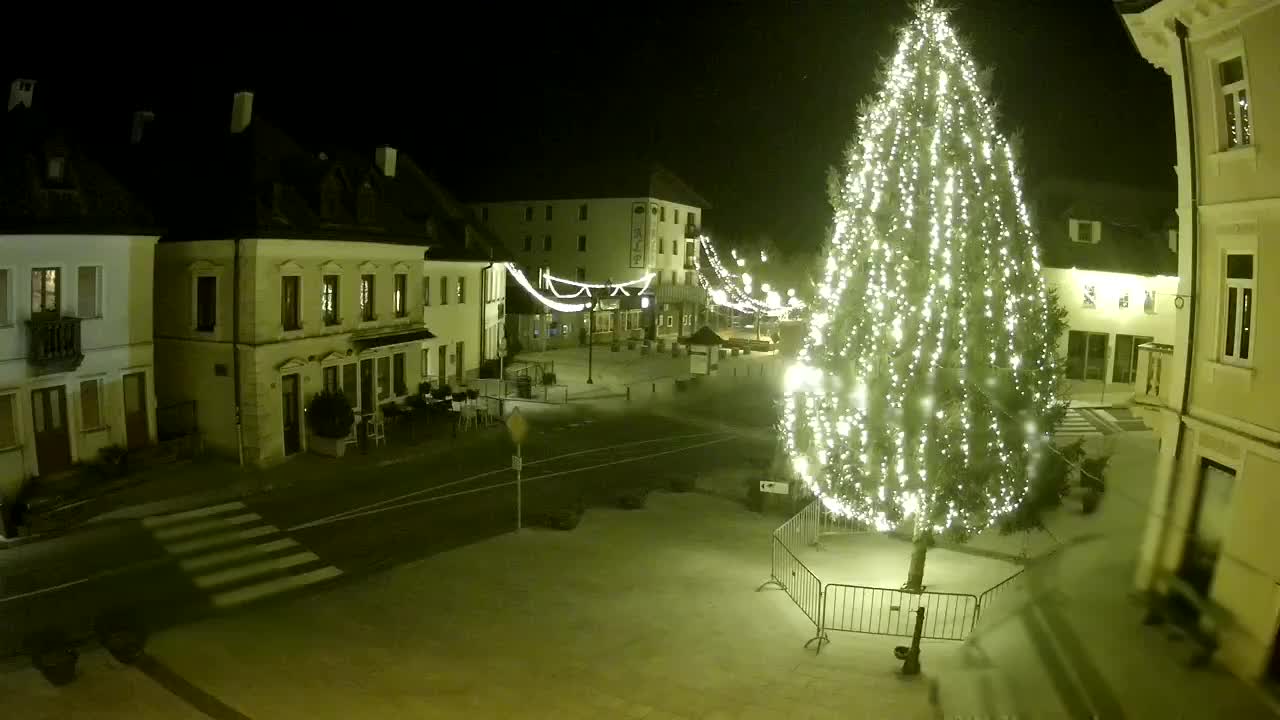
57, 168
1237, 320
45, 292
462, 290
366, 298
1090, 296
400, 297
1235, 102
329, 300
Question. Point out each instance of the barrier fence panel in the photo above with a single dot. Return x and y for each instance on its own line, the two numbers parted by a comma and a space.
802, 529
986, 598
799, 583
880, 611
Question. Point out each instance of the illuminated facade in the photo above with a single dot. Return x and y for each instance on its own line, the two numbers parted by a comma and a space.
1213, 396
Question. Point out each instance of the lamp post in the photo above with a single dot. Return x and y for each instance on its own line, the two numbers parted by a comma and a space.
591, 328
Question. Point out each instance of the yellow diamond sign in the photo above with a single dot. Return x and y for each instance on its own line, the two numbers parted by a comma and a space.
517, 426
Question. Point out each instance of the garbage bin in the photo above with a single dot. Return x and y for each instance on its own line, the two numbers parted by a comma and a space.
524, 387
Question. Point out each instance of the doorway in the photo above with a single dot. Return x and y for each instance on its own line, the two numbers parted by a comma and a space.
458, 364
289, 413
1125, 368
49, 423
1086, 355
136, 429
442, 360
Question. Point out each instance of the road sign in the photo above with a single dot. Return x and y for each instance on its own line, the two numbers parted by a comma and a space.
517, 463
777, 488
517, 426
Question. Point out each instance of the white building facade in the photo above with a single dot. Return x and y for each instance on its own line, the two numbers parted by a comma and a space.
1211, 524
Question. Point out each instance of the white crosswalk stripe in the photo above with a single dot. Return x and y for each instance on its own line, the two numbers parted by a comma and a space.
235, 555
1076, 425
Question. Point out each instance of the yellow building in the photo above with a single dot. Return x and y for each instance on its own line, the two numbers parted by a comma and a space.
1213, 395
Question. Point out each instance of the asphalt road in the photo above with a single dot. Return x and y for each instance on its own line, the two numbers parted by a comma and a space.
266, 548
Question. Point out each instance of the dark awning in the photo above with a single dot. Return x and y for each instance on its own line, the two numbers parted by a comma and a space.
705, 336
391, 336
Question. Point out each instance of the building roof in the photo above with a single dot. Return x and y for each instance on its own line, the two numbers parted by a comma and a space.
705, 336
1127, 7
85, 199
262, 183
1135, 221
598, 178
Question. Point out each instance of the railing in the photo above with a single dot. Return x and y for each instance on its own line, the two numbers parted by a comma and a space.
990, 595
55, 341
880, 611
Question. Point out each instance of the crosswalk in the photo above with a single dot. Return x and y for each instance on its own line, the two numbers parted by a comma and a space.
234, 555
1076, 426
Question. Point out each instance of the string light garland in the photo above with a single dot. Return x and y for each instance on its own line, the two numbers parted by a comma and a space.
734, 291
582, 289
923, 383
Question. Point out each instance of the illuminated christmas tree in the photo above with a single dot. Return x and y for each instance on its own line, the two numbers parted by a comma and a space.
925, 393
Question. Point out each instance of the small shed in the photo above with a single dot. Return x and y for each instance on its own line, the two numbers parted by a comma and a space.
704, 351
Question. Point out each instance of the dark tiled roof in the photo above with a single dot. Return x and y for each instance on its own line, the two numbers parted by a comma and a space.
1127, 7
1135, 225
596, 178
87, 200
705, 336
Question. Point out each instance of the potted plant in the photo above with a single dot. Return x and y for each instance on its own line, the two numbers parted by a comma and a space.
330, 418
1092, 473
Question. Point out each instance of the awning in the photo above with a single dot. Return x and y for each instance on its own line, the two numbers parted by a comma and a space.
390, 336
705, 336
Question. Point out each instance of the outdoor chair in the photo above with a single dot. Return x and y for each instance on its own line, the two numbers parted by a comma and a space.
377, 429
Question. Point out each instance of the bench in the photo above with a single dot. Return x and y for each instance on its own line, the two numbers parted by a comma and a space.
1189, 615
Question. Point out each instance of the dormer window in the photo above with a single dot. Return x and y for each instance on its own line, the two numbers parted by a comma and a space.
56, 169
367, 205
1085, 231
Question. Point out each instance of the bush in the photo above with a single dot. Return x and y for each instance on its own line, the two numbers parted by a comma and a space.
1093, 473
442, 392
684, 483
113, 461
54, 656
329, 415
424, 389
632, 499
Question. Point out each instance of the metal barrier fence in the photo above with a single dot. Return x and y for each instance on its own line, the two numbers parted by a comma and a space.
880, 611
987, 597
800, 584
803, 528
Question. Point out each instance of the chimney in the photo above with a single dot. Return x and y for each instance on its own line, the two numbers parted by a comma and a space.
385, 156
140, 120
241, 111
20, 92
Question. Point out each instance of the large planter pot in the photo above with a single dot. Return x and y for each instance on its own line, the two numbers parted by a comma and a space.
675, 350
330, 447
662, 345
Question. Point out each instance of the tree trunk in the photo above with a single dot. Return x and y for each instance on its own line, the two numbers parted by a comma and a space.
920, 546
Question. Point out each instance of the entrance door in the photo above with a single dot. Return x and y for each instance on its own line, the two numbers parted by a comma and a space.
366, 386
49, 421
1086, 355
459, 364
136, 429
289, 412
1125, 368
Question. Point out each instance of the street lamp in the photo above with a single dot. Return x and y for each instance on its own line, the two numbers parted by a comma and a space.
591, 331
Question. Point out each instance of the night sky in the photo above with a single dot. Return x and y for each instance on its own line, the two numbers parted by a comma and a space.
748, 102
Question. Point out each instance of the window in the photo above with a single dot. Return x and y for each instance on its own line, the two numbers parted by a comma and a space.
45, 295
582, 211
1124, 300
670, 321
662, 244
1235, 101
89, 291
1211, 521
528, 243
662, 214
366, 298
688, 277
1090, 296
426, 291
289, 316
528, 213
206, 303
484, 214
329, 378
397, 374
1087, 355
582, 243
1125, 367
582, 274
675, 216
90, 404
1085, 231
350, 388
674, 280
8, 423
693, 220
546, 243
384, 377
1149, 302
56, 169
675, 247
462, 289
401, 296
1238, 320
444, 289
5, 317
329, 300
547, 213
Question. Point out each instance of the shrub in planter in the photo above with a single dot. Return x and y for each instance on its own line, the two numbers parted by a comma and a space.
442, 392
1089, 501
330, 418
684, 483
122, 635
1093, 473
424, 389
662, 345
54, 656
632, 499
472, 393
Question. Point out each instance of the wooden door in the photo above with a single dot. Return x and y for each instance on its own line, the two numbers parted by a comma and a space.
289, 411
136, 427
49, 423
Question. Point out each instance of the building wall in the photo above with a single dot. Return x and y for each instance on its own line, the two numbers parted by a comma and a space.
115, 343
1106, 315
454, 321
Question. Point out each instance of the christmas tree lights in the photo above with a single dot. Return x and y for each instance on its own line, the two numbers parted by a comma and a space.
735, 290
922, 386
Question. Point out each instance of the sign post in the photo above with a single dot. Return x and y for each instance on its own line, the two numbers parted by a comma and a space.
518, 427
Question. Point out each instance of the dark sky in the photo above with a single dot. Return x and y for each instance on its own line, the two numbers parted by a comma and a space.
749, 102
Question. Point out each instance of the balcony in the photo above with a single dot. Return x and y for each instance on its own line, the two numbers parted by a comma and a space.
1152, 384
54, 343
